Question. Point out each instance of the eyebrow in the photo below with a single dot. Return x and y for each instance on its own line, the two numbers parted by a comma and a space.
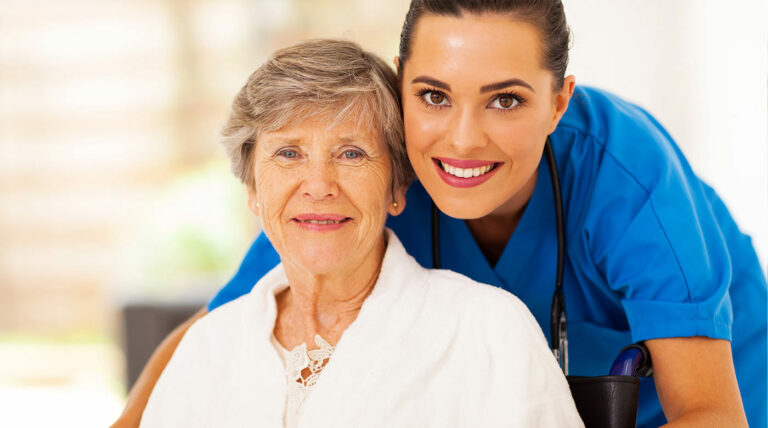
277, 139
483, 89
505, 84
432, 81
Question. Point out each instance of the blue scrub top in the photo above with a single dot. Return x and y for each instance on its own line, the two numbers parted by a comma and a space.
652, 251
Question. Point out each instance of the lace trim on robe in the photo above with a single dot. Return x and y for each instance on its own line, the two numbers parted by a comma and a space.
302, 370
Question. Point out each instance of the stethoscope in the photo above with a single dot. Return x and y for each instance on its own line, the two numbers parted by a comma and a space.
558, 333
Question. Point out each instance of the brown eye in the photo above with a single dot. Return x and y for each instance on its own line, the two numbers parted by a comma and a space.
434, 98
505, 102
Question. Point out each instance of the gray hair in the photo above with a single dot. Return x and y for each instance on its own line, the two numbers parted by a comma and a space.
330, 78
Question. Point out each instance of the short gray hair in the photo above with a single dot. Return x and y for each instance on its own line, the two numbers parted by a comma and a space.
333, 78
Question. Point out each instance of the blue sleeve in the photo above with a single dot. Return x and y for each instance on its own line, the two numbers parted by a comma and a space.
653, 235
261, 258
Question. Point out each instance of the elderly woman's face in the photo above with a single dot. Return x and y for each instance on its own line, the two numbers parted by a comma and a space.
323, 193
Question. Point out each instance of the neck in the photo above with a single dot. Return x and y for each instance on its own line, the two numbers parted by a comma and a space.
492, 232
324, 304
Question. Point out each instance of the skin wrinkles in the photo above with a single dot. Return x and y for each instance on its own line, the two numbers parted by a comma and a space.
310, 168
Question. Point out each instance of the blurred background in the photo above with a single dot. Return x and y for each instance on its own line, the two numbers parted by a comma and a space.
114, 193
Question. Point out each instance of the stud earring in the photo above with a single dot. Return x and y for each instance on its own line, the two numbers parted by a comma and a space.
394, 204
258, 205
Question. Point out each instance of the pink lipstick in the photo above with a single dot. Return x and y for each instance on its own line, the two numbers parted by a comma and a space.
465, 172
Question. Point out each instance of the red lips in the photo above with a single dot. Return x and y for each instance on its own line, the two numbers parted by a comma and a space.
461, 182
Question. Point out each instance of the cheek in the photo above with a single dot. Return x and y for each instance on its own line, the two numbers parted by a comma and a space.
368, 189
274, 187
514, 141
421, 128
521, 137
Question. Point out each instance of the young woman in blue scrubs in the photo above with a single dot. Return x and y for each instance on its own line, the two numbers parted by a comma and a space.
652, 253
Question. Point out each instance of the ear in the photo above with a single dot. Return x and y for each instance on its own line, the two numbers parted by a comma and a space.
396, 61
253, 201
561, 100
399, 197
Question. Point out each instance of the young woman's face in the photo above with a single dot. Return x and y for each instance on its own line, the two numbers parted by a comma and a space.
478, 107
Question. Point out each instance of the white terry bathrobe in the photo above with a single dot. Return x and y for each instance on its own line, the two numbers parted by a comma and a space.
429, 348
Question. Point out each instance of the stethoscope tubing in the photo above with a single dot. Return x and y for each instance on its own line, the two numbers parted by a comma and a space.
558, 325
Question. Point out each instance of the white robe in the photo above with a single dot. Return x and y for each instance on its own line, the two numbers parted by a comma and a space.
429, 348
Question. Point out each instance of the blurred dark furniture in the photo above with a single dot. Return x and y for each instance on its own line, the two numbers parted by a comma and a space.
145, 325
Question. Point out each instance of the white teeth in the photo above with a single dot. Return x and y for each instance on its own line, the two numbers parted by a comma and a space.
321, 221
465, 172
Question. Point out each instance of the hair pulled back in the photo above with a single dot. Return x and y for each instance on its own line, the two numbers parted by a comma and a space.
547, 16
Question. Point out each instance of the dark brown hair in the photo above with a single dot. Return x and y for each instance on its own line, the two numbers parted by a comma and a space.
546, 15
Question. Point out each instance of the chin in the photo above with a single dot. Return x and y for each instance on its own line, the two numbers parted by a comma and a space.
320, 260
462, 210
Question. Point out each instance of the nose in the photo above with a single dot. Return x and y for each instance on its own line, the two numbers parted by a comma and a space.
466, 132
320, 180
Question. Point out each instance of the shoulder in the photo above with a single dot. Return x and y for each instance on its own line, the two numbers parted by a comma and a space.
486, 306
604, 116
261, 257
211, 336
444, 293
203, 357
244, 315
613, 134
228, 314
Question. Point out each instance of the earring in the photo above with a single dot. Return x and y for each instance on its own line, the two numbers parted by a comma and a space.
394, 204
258, 205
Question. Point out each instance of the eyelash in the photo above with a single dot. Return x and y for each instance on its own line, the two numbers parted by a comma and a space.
360, 153
282, 151
424, 91
517, 97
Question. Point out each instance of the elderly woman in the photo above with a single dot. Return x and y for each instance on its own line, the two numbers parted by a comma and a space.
348, 330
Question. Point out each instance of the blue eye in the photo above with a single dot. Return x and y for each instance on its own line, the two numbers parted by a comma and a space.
352, 154
288, 153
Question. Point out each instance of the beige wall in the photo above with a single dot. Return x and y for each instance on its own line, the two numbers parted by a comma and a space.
105, 107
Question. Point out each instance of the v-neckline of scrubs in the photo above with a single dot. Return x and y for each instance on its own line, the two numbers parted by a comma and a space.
509, 266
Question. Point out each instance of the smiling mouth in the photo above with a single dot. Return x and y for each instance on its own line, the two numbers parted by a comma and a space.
323, 221
470, 169
465, 173
320, 221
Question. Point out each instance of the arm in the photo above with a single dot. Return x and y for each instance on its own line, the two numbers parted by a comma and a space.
696, 382
139, 394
